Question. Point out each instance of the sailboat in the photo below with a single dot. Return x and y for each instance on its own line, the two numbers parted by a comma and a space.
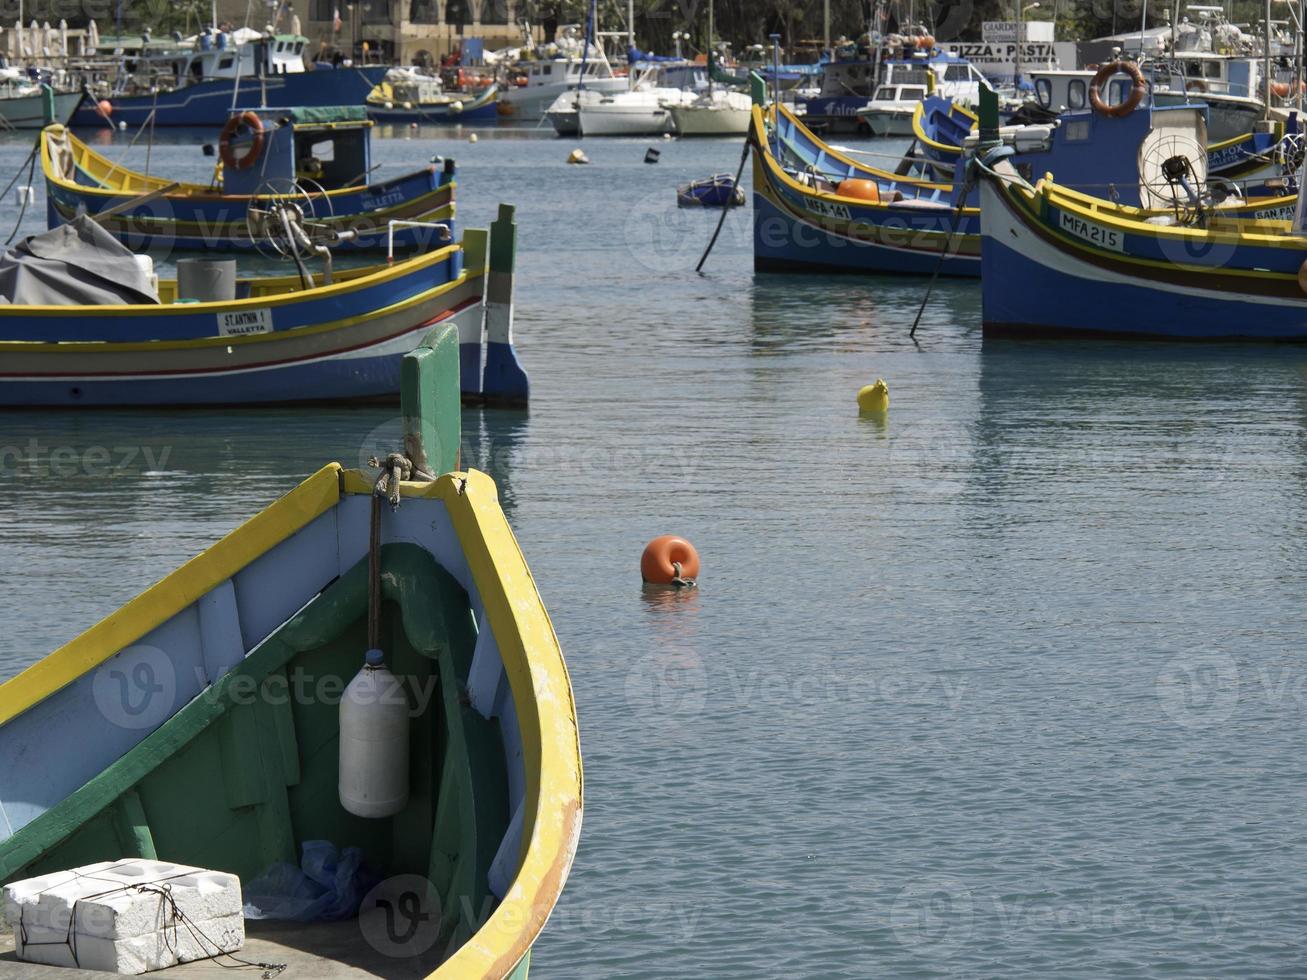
718, 111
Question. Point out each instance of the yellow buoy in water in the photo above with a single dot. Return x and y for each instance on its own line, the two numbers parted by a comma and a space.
577, 156
472, 138
873, 399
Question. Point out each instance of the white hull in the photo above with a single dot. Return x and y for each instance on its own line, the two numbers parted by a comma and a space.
714, 120
888, 122
533, 101
619, 120
28, 111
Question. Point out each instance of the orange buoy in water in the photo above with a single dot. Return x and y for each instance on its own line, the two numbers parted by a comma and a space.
669, 560
863, 190
1281, 89
104, 107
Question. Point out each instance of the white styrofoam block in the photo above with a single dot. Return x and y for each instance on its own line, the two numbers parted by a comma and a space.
120, 921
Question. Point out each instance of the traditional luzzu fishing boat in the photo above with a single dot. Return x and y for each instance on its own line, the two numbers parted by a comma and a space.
833, 214
86, 324
318, 159
1059, 262
422, 99
816, 207
227, 719
942, 127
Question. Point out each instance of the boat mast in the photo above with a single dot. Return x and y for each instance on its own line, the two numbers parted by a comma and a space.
712, 48
630, 23
1266, 81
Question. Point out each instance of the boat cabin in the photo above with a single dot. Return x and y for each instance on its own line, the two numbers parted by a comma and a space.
1062, 90
567, 71
217, 56
899, 93
1204, 72
329, 146
942, 74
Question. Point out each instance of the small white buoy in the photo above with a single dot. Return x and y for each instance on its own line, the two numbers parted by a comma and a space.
472, 137
667, 136
374, 742
122, 125
413, 125
456, 107
26, 194
408, 105
577, 156
390, 105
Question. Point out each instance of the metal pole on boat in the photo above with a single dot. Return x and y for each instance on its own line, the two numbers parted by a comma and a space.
630, 23
1266, 81
825, 24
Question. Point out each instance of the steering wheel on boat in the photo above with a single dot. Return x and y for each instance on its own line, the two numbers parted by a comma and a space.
283, 219
1289, 154
1172, 176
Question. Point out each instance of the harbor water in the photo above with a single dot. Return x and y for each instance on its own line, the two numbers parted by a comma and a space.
1008, 683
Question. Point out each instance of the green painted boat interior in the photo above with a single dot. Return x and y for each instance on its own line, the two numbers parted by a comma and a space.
246, 772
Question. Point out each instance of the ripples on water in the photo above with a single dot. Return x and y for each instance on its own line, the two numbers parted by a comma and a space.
1008, 684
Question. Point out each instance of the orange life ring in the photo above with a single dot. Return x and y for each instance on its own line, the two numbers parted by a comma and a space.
1136, 95
663, 554
1198, 85
254, 124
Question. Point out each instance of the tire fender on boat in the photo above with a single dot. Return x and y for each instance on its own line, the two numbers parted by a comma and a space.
1137, 92
254, 124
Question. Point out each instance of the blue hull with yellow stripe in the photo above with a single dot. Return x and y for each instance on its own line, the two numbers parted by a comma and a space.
1061, 263
277, 342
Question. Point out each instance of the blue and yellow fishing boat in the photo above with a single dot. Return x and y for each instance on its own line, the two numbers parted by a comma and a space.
318, 157
203, 724
817, 209
425, 101
85, 325
1059, 261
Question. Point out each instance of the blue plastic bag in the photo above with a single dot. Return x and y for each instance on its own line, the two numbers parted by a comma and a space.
325, 887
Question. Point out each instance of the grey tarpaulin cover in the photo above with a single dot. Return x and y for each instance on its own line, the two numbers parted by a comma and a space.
77, 264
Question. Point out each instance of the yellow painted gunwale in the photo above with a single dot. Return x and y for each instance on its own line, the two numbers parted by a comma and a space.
98, 346
919, 130
1260, 232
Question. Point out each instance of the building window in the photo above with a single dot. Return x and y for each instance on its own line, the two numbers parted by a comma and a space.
424, 12
322, 10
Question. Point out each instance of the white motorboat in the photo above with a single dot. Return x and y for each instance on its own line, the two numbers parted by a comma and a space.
889, 113
547, 80
644, 110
